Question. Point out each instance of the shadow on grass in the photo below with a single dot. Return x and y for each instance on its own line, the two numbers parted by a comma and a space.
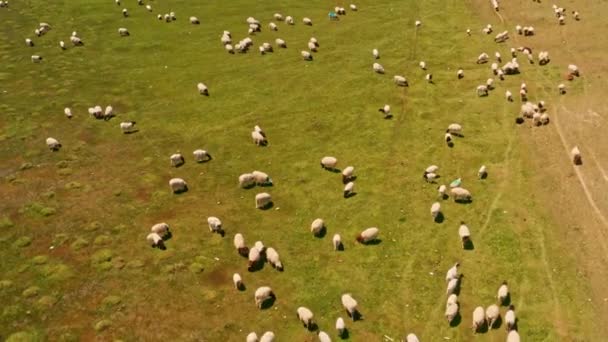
439, 218
468, 245
267, 206
268, 303
372, 243
350, 194
321, 234
456, 321
345, 334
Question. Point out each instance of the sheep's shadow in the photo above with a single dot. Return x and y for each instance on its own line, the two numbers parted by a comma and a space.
268, 303
388, 117
450, 144
439, 218
468, 245
349, 179
312, 327
497, 324
456, 321
356, 316
372, 243
507, 300
321, 234
350, 194
482, 328
333, 170
131, 132
258, 266
179, 165
519, 120
267, 206
345, 334
179, 192
209, 158
244, 252
484, 175
340, 247
241, 287
463, 201
168, 236
266, 185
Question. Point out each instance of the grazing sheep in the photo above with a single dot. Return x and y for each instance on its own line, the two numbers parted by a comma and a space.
468, 32
202, 89
312, 47
246, 180
261, 178
576, 15
573, 70
536, 119
482, 90
340, 327
314, 41
386, 109
349, 189
172, 15
452, 273
215, 225
155, 240
375, 53
280, 43
494, 68
400, 80
262, 294
253, 258
575, 153
317, 227
259, 246
451, 311
178, 185
490, 83
479, 318
492, 315
465, 235
460, 73
128, 127
503, 293
161, 229
430, 176
307, 56
125, 13
509, 96
411, 338
267, 48
353, 7
455, 129
523, 95
262, 200
452, 286
237, 281
461, 194
378, 68
53, 144
194, 21
441, 189
562, 89
501, 37
177, 159
29, 42
307, 21
350, 305
510, 319
368, 235
36, 58
422, 65
258, 139
226, 39
418, 23
201, 156
62, 45
431, 169
273, 27
429, 78
267, 337
329, 163
68, 112
501, 74
513, 336
305, 316
252, 337
337, 242
448, 139
544, 119
123, 32
348, 174
289, 20
108, 113
482, 173
278, 17
543, 57
436, 210
239, 244
483, 58
273, 258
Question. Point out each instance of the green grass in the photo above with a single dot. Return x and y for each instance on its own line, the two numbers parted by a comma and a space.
94, 201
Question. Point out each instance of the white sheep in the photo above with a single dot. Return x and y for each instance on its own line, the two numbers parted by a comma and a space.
378, 68
482, 90
455, 129
161, 229
62, 45
348, 174
461, 194
307, 21
536, 119
411, 338
448, 139
340, 326
490, 83
246, 180
226, 39
123, 32
503, 293
544, 119
543, 57
289, 20
262, 294
172, 15
36, 58
53, 144
436, 210
202, 89
451, 311
483, 172
400, 81
353, 7
259, 245
337, 242
576, 15
452, 299
307, 56
573, 70
510, 319
494, 68
509, 96
368, 235
324, 337
258, 138
314, 41
128, 127
305, 316
267, 337
479, 318
317, 227
253, 259
177, 160
29, 42
375, 53
273, 258
68, 112
422, 65
430, 176
237, 281
194, 21
349, 189
442, 189
239, 244
312, 46
483, 58
460, 73
350, 305
452, 273
386, 109
429, 78
262, 200
280, 43
452, 286
125, 12
523, 95
267, 48
272, 26
215, 225
492, 315
155, 240
418, 23
178, 185
278, 17
562, 88
261, 178
513, 336
252, 337
201, 156
329, 163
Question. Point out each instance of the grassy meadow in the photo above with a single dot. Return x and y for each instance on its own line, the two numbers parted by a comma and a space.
75, 265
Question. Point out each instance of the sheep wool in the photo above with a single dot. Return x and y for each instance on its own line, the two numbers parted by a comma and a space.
267, 337
305, 316
479, 318
317, 226
252, 337
329, 163
324, 337
53, 144
178, 185
378, 68
350, 305
239, 244
262, 200
368, 235
411, 338
237, 281
513, 336
262, 294
337, 242
273, 258
201, 156
492, 314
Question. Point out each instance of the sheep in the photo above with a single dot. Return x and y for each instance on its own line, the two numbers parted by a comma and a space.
452, 299
353, 7
436, 210
411, 338
479, 318
128, 127
329, 163
253, 259
349, 189
455, 129
255, 27
337, 242
155, 241
159, 17
561, 20
576, 15
376, 54
178, 185
494, 68
267, 337
172, 15
350, 305
229, 48
575, 154
503, 293
368, 235
177, 160
418, 23
386, 109
123, 32
201, 156
125, 13
278, 17
167, 18
340, 327
461, 194
378, 68
482, 173
523, 95
161, 229
508, 96
528, 31
430, 176
460, 74
261, 178
452, 286
492, 315
451, 311
38, 32
441, 190
317, 227
307, 21
501, 37
429, 78
226, 39
29, 42
544, 119
53, 144
510, 319
400, 81
280, 43
422, 65
465, 235
246, 180
483, 58
262, 294
452, 273
341, 10
258, 139
448, 139
68, 112
468, 32
202, 89
573, 70
501, 74
482, 90
194, 21
252, 337
305, 316
62, 45
237, 281
528, 109
263, 200
536, 119
314, 41
511, 68
543, 57
348, 174
307, 56
259, 245
36, 58
513, 336
312, 47
267, 48
272, 26
490, 83
215, 225
239, 244
324, 337
562, 89
289, 20
108, 113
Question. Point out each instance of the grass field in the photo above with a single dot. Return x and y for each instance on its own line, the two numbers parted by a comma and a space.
94, 201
